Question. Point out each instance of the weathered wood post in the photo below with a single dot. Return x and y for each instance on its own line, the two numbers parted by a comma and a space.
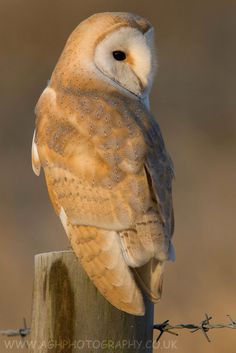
69, 314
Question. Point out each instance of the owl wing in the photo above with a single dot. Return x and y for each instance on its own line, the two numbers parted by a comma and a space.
160, 173
151, 246
100, 172
83, 190
160, 169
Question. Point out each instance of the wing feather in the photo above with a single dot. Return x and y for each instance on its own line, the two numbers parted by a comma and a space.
36, 165
109, 179
160, 168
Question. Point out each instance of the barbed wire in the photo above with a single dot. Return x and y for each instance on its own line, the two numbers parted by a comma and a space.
204, 326
22, 332
165, 327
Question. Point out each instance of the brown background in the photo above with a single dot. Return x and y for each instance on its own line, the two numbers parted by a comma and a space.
194, 101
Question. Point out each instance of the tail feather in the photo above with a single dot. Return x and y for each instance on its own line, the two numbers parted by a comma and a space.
150, 278
101, 256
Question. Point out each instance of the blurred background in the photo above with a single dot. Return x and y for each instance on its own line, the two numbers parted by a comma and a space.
194, 101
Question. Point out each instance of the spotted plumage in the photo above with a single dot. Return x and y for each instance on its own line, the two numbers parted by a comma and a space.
107, 171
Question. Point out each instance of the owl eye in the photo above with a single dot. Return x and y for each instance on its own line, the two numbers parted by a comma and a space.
119, 55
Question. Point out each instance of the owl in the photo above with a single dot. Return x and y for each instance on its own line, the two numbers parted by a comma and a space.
107, 171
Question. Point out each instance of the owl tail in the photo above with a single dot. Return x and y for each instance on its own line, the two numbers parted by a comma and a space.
150, 278
100, 254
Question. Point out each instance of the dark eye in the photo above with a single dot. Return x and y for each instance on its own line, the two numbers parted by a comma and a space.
119, 55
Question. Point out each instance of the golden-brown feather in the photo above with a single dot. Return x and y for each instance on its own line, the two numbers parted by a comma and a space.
107, 170
100, 254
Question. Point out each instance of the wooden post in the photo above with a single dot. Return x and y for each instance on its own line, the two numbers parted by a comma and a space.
69, 315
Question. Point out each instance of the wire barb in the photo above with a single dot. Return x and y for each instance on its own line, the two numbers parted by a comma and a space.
204, 326
22, 332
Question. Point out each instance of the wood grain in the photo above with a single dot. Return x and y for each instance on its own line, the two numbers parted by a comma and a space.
69, 315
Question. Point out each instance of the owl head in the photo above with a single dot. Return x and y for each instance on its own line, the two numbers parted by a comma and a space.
114, 51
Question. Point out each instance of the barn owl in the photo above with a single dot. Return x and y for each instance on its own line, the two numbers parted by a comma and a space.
106, 167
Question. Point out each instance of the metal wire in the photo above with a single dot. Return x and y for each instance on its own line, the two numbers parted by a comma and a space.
204, 326
22, 332
165, 327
